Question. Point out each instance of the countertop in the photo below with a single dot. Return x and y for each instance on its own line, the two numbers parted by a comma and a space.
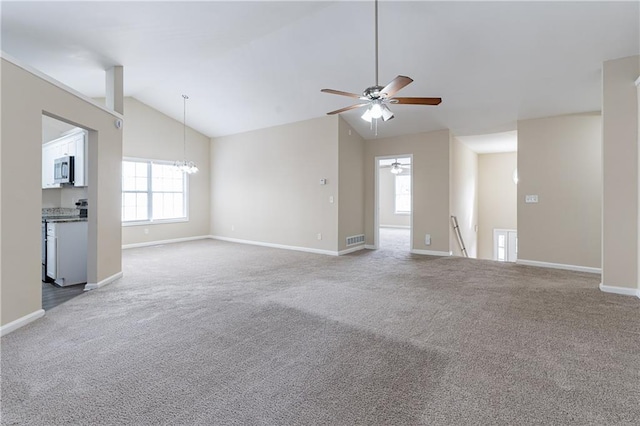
58, 219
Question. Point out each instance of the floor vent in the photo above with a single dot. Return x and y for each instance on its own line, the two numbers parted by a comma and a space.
356, 239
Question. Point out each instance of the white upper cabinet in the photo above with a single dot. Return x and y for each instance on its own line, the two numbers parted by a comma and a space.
74, 144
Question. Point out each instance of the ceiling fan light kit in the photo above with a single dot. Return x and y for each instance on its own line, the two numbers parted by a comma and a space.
396, 168
377, 97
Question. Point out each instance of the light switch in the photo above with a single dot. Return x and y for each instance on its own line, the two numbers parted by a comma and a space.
331, 199
530, 198
323, 181
427, 239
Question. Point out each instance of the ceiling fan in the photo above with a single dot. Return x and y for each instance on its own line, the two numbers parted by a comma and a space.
377, 97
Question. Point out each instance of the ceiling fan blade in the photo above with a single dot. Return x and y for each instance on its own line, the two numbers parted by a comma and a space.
416, 101
339, 92
338, 111
396, 84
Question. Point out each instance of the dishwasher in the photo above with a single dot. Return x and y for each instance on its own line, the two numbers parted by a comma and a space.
67, 252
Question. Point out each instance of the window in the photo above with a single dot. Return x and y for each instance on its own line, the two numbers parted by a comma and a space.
403, 194
152, 191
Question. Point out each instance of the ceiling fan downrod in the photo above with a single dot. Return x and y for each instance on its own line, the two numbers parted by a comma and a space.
376, 37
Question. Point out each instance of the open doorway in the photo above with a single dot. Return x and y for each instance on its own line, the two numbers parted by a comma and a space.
394, 202
64, 211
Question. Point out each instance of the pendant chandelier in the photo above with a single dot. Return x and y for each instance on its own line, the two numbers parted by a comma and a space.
186, 166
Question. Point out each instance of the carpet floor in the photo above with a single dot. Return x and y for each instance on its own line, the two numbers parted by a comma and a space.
216, 333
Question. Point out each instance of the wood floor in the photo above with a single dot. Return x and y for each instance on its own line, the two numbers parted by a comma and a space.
53, 296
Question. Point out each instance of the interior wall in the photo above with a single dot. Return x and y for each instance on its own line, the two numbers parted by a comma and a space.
464, 197
351, 183
430, 186
265, 185
25, 96
149, 134
497, 198
560, 161
620, 173
386, 200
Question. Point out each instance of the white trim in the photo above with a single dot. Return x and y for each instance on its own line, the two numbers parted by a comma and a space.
432, 252
625, 291
272, 245
396, 226
376, 201
559, 266
58, 84
21, 322
351, 249
638, 82
108, 280
369, 246
161, 242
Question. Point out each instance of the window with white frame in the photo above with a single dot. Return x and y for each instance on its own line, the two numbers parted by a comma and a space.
153, 191
403, 194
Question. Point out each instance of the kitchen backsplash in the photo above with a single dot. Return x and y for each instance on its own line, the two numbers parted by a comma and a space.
62, 197
59, 211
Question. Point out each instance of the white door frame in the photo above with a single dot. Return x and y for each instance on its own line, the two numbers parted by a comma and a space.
376, 200
493, 242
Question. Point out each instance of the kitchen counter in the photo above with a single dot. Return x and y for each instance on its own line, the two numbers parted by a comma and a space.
58, 219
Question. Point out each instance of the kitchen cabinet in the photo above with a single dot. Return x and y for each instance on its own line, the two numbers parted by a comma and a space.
74, 144
67, 252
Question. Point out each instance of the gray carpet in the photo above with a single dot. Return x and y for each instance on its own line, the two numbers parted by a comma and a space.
215, 333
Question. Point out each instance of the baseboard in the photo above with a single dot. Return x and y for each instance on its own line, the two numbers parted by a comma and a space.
395, 226
559, 266
272, 245
431, 252
369, 246
21, 322
625, 291
161, 242
351, 250
112, 278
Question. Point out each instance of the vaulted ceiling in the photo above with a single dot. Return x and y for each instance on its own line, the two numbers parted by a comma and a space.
249, 65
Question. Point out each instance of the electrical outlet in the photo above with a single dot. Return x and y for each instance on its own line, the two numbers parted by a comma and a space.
331, 199
146, 231
427, 239
530, 198
319, 236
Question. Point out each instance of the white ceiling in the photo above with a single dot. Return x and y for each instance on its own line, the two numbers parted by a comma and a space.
491, 143
387, 162
249, 65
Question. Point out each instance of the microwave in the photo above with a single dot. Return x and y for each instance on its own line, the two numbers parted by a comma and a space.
63, 170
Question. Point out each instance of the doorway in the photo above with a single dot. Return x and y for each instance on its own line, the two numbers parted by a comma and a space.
393, 202
505, 245
64, 203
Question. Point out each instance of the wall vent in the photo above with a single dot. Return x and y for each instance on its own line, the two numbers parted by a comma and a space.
355, 239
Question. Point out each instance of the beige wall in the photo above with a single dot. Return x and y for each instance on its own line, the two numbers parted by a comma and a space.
620, 173
386, 200
560, 160
430, 185
497, 198
149, 134
24, 98
464, 197
351, 183
265, 185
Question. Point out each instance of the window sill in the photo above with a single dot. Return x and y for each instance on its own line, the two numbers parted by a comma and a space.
402, 213
155, 222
